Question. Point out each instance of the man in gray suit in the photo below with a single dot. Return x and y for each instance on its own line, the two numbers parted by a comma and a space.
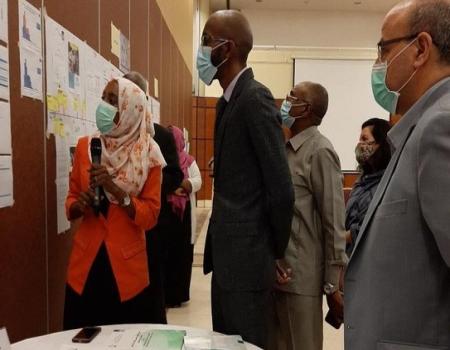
397, 286
316, 249
253, 194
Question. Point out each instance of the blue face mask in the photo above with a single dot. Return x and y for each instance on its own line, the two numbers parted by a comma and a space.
206, 70
385, 97
286, 119
104, 117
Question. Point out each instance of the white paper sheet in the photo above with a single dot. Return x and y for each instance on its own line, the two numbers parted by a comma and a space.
4, 73
124, 53
5, 128
31, 72
82, 347
30, 26
63, 162
156, 110
4, 20
6, 182
129, 339
62, 188
4, 339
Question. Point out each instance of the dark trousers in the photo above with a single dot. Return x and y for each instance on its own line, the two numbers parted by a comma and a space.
243, 313
100, 304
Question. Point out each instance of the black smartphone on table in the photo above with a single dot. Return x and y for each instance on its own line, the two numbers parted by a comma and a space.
86, 334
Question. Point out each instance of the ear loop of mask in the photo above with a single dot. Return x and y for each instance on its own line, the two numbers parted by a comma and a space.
395, 57
217, 46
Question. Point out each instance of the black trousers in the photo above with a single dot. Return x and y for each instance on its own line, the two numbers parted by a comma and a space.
100, 304
244, 313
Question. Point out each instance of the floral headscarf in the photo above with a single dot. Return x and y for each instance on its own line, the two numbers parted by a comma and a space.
128, 150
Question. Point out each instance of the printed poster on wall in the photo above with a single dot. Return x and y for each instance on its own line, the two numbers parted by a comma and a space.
4, 73
124, 53
4, 20
30, 45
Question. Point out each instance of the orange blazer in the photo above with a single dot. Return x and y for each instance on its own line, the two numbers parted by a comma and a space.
124, 238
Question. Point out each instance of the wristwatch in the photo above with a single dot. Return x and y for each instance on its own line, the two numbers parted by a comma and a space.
329, 288
126, 201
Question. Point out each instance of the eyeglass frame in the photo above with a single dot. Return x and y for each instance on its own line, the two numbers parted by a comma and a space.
203, 43
290, 97
381, 45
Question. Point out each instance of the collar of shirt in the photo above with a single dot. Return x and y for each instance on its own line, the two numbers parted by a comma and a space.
230, 88
298, 140
410, 119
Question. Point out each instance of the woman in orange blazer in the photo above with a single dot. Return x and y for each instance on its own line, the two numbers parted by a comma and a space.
108, 277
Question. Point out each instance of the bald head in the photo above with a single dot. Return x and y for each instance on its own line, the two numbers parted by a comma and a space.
431, 16
138, 79
231, 25
316, 95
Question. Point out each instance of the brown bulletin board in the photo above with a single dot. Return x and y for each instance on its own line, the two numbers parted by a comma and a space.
139, 34
156, 44
117, 12
23, 276
165, 83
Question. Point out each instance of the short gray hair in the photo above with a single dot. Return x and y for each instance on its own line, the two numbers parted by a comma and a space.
433, 17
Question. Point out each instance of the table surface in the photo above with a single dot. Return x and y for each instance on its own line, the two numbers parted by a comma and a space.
54, 341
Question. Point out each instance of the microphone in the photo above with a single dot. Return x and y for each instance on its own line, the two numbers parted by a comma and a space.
96, 156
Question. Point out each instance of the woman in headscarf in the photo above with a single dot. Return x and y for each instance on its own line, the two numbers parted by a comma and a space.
108, 275
183, 232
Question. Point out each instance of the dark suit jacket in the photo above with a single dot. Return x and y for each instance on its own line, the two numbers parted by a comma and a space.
253, 193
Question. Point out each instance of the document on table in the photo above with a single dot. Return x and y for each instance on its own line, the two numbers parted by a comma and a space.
215, 342
132, 339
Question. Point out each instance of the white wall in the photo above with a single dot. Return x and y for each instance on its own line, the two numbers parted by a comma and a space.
280, 36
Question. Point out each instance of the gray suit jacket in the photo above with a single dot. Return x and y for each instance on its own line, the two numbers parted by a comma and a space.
253, 193
397, 285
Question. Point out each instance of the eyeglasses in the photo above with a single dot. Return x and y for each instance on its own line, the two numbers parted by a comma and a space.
207, 39
293, 100
382, 44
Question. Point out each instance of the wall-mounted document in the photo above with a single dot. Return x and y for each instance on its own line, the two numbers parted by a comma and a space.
5, 128
124, 53
156, 110
4, 20
6, 182
62, 188
4, 73
31, 72
115, 40
30, 33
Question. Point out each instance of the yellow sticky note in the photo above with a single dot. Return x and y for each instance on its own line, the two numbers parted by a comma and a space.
52, 104
61, 98
76, 104
58, 127
115, 40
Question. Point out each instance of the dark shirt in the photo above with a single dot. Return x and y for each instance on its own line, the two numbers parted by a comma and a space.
358, 203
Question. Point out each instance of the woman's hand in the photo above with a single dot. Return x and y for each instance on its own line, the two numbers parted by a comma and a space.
180, 191
187, 186
99, 176
78, 208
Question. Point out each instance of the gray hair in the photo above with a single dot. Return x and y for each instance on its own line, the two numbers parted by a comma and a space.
433, 17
